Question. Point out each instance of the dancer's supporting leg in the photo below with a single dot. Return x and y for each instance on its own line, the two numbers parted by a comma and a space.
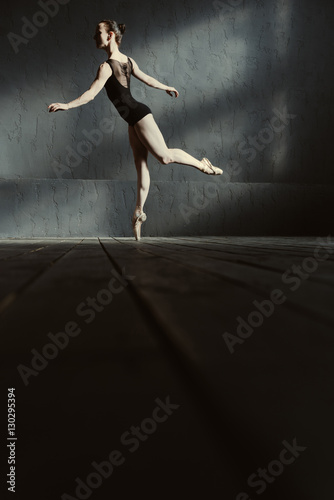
140, 154
151, 137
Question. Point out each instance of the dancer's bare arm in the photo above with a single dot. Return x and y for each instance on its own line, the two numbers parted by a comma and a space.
104, 72
150, 81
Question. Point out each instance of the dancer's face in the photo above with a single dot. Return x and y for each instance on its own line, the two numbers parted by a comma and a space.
101, 37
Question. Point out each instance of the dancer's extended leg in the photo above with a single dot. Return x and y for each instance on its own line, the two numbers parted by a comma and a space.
151, 137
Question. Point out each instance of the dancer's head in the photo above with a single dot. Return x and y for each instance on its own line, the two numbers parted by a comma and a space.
108, 32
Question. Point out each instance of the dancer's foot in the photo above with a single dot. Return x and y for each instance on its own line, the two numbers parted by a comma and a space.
138, 218
209, 169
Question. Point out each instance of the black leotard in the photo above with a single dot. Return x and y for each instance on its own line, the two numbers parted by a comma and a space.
118, 90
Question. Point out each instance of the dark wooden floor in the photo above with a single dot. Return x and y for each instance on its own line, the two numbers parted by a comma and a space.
163, 335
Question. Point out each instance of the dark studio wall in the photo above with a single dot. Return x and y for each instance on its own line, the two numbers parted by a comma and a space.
255, 81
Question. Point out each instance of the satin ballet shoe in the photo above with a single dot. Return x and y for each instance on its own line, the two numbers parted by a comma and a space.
209, 168
137, 220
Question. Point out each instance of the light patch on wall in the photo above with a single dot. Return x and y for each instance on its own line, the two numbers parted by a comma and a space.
283, 27
280, 143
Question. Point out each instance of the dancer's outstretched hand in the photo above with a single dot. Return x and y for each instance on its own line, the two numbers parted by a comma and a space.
171, 90
57, 106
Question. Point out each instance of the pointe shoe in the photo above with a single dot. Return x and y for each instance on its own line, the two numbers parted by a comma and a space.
137, 220
209, 168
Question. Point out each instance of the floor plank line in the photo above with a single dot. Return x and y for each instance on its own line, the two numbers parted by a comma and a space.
230, 257
188, 364
10, 298
180, 328
324, 317
3, 259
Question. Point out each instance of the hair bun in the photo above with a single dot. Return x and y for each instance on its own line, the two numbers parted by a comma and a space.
121, 28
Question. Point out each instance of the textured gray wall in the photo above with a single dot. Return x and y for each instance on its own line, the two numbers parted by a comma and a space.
255, 81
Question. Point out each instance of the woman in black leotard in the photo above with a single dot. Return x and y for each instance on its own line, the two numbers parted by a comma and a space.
118, 90
144, 133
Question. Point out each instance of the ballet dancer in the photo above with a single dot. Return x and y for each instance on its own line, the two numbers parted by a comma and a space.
144, 133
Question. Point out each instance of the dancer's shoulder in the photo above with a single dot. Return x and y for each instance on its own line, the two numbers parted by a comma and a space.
105, 68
